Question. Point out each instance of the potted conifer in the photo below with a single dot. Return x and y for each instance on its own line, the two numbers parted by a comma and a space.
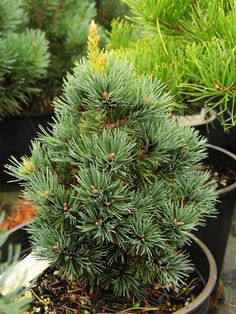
117, 186
24, 61
24, 58
182, 45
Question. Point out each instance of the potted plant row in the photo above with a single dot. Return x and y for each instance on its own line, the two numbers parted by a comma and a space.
118, 193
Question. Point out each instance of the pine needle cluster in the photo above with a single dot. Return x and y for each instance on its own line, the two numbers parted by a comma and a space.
190, 46
23, 58
116, 182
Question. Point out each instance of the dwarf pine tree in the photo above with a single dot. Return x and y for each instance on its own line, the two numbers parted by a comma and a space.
23, 58
116, 182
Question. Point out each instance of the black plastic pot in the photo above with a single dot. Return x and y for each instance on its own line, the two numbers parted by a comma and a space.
200, 254
215, 135
210, 128
18, 236
16, 133
216, 231
205, 263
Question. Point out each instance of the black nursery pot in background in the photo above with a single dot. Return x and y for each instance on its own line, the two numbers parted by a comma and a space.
216, 231
215, 135
210, 128
16, 133
200, 254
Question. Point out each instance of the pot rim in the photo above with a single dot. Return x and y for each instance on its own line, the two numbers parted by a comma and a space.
232, 187
21, 226
205, 293
195, 119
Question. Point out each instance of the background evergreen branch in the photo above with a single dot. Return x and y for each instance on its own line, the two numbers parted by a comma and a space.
23, 58
181, 43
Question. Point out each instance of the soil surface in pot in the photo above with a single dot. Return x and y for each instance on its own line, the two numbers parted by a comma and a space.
54, 295
220, 175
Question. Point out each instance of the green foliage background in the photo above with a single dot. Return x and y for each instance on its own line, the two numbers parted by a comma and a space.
23, 58
189, 46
